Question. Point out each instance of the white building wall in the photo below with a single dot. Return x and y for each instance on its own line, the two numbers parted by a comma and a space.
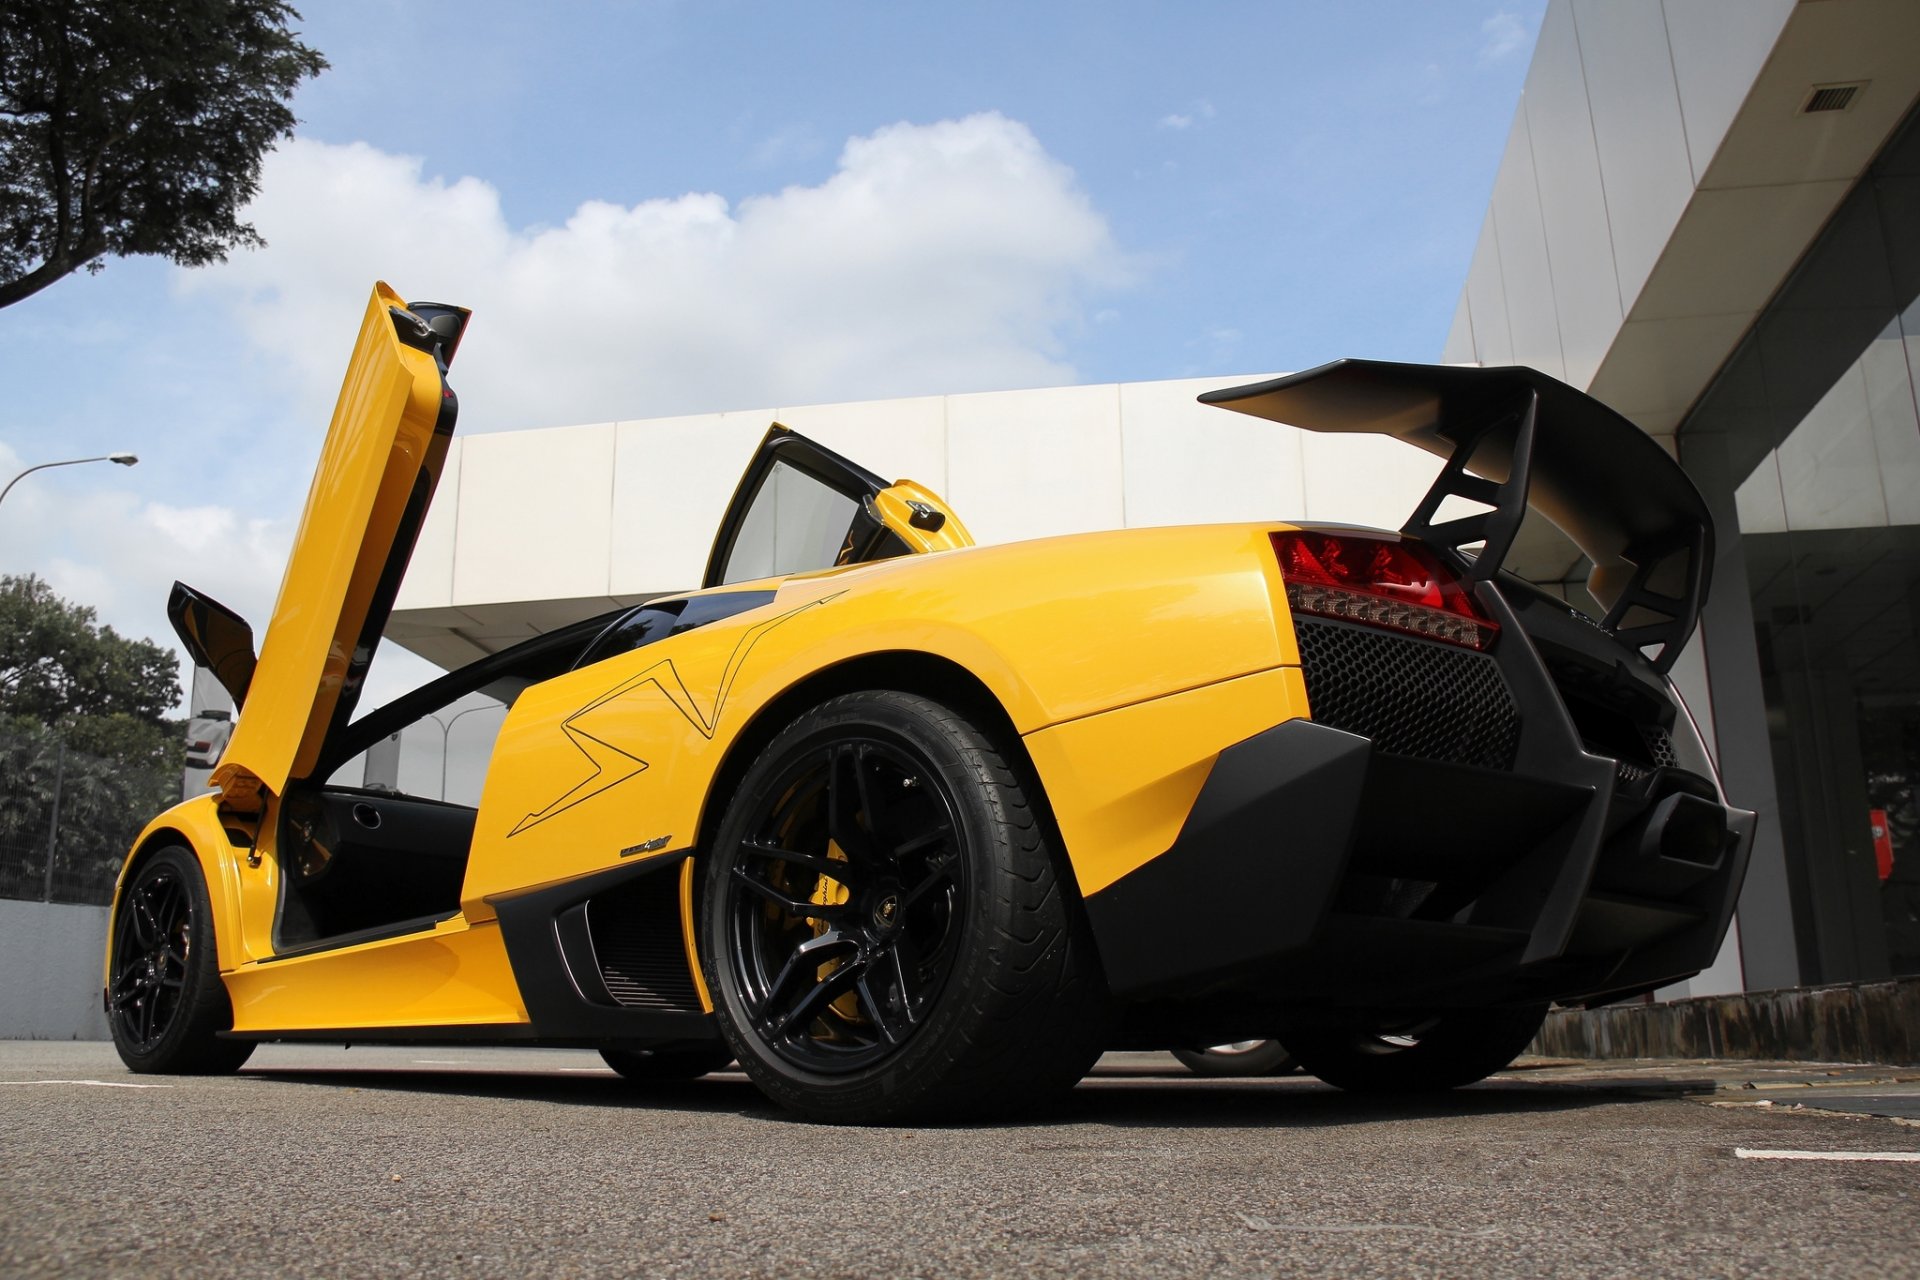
1660, 181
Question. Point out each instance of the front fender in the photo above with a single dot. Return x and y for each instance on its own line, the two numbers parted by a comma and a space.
196, 825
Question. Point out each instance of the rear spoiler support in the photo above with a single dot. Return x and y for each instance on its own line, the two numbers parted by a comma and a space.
1506, 499
1605, 483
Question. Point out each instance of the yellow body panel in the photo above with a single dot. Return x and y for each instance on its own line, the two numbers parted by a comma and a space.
453, 975
1122, 783
197, 825
381, 440
598, 762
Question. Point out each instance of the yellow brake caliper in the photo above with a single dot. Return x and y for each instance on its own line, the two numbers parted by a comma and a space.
831, 893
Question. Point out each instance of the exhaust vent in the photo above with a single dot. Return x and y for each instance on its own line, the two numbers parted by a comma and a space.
1831, 97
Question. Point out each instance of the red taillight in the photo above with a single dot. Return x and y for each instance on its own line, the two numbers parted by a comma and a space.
1381, 582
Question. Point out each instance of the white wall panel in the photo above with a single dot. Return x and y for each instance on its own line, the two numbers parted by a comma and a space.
1533, 327
672, 478
1573, 206
1487, 295
1029, 464
898, 439
1637, 128
1190, 463
1718, 49
536, 514
1361, 479
1666, 363
429, 579
1734, 247
1459, 348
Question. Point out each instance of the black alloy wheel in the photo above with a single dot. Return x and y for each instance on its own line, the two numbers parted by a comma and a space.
166, 1004
1425, 1055
883, 932
845, 904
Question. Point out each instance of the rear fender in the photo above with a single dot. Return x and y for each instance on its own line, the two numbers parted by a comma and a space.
616, 761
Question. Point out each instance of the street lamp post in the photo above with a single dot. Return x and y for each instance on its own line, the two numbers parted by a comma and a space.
446, 730
124, 459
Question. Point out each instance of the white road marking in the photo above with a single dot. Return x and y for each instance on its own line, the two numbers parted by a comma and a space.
588, 1071
98, 1084
1263, 1224
439, 1062
1889, 1157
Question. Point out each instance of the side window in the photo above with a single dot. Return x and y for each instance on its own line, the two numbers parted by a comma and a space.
794, 524
441, 755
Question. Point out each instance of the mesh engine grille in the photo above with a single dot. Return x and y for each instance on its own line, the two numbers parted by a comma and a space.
638, 944
1659, 745
1412, 697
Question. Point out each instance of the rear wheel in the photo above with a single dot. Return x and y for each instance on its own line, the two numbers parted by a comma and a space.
683, 1063
884, 932
166, 1004
1443, 1052
1242, 1058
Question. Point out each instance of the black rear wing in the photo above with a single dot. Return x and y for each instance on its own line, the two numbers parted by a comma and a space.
1513, 438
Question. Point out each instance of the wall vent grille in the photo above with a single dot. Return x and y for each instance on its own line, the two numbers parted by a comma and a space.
1831, 97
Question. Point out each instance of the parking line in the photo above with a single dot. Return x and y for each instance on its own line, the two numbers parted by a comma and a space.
98, 1084
1888, 1157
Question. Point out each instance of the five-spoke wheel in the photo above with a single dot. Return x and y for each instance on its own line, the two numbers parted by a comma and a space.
883, 932
151, 949
165, 1003
845, 901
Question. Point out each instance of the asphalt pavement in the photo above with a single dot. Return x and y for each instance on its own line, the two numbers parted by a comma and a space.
320, 1161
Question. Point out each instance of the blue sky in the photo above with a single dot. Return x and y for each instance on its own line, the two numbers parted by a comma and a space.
665, 207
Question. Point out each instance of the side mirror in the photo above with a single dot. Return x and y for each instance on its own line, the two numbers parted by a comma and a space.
215, 637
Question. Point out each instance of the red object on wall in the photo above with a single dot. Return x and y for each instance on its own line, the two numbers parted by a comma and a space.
1882, 841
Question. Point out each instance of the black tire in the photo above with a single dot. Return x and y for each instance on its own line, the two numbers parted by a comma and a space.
683, 1063
1444, 1052
946, 972
1243, 1058
166, 1004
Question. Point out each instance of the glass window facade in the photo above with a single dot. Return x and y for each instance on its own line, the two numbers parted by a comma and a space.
1811, 435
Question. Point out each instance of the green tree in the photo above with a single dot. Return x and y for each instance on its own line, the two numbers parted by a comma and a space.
136, 127
83, 712
58, 662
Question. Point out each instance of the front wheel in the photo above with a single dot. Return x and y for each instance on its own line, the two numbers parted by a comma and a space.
885, 936
166, 1004
1441, 1052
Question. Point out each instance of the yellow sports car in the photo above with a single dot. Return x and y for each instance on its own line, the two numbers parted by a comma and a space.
913, 827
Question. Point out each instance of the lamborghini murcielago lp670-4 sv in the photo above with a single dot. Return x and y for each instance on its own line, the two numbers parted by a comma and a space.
914, 827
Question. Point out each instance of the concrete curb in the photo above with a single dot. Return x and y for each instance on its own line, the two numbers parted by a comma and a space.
1851, 1022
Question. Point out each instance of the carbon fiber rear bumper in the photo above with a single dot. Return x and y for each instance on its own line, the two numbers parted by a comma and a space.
1315, 870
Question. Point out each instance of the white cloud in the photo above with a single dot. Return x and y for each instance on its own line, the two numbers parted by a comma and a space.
102, 545
951, 256
793, 144
943, 257
1501, 36
1181, 120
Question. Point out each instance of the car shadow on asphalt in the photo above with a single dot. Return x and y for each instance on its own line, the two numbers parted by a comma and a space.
1126, 1100
1301, 1103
